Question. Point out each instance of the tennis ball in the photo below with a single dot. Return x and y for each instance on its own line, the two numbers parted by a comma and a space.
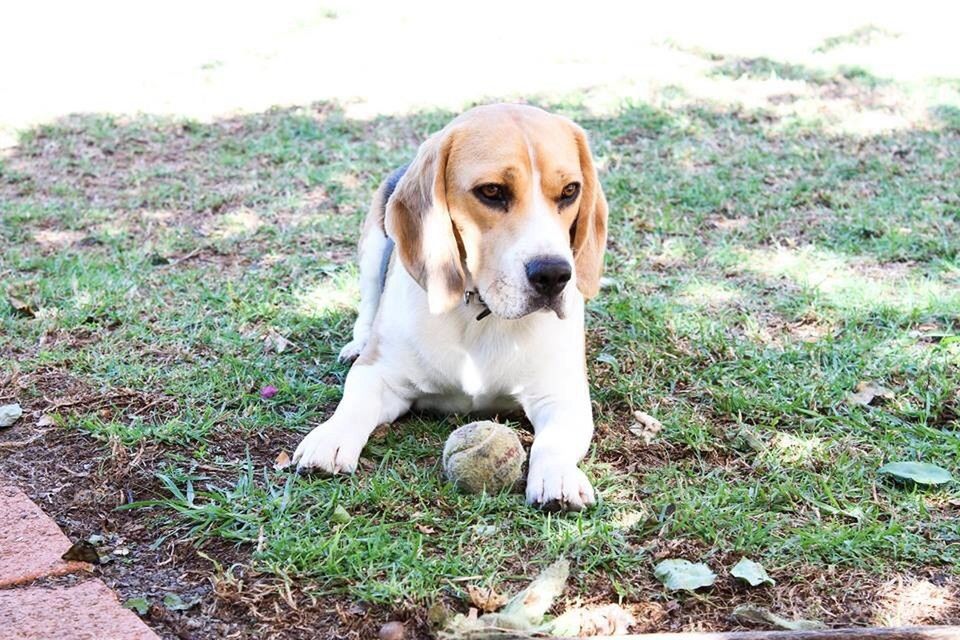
483, 456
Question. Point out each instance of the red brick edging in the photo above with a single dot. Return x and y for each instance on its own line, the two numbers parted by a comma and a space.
30, 548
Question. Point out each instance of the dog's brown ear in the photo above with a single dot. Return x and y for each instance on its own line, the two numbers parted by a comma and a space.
588, 236
418, 221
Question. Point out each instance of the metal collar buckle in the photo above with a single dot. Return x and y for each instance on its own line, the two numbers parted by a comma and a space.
469, 296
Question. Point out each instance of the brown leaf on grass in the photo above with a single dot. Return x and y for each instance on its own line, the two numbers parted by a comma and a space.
425, 530
646, 428
485, 599
275, 342
866, 393
22, 308
283, 461
82, 551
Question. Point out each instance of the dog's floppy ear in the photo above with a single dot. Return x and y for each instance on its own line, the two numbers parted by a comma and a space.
588, 236
419, 222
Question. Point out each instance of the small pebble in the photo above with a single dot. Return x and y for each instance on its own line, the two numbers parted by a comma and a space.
10, 413
392, 631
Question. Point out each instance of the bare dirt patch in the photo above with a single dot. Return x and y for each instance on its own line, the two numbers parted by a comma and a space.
81, 482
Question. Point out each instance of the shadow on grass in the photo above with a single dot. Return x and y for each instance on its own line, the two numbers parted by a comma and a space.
759, 274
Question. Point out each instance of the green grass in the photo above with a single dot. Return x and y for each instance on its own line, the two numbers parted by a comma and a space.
763, 68
759, 274
410, 533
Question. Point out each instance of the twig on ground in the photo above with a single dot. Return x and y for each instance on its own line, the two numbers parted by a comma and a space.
15, 444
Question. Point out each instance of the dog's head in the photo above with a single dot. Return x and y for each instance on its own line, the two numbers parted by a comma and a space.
504, 199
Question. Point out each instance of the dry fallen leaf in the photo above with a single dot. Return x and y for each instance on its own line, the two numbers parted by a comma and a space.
522, 615
929, 332
729, 224
751, 439
678, 574
425, 530
46, 420
438, 615
340, 515
283, 461
82, 551
275, 342
581, 622
523, 612
646, 428
752, 572
759, 615
21, 307
485, 598
866, 392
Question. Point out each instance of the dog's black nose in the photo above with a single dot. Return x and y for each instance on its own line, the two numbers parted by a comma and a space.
549, 275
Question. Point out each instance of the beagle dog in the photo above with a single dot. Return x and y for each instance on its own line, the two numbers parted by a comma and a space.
475, 260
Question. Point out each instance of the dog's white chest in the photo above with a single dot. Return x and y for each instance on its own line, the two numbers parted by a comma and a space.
481, 371
453, 362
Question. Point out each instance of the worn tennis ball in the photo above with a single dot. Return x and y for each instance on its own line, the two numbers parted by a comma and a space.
483, 456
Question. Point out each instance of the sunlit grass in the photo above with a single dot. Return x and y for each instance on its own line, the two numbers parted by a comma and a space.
852, 284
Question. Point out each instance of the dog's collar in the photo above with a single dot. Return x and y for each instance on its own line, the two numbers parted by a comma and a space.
471, 296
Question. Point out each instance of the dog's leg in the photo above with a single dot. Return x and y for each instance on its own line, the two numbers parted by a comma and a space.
373, 250
334, 447
563, 426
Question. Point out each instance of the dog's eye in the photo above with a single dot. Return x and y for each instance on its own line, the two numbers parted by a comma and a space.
569, 194
492, 194
491, 191
570, 191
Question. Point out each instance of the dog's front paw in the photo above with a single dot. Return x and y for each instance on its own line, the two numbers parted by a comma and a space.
328, 449
562, 487
352, 350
